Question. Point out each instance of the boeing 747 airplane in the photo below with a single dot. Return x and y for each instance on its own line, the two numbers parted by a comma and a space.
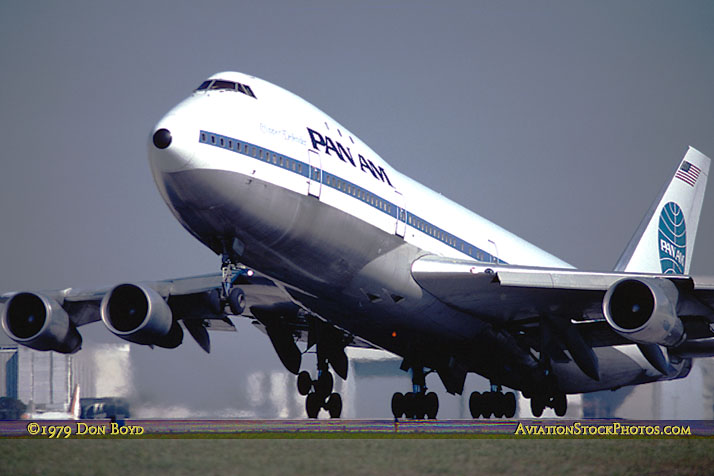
324, 245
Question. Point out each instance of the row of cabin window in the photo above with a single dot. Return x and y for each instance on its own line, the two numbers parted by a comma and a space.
442, 236
357, 192
259, 153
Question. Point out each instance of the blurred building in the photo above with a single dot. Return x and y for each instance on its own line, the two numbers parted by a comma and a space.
44, 381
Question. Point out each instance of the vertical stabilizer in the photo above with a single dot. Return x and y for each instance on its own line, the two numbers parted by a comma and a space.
664, 241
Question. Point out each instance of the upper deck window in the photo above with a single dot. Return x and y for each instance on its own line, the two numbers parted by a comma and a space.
223, 85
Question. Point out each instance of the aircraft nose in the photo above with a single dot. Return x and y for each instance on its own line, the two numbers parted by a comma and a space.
162, 138
170, 147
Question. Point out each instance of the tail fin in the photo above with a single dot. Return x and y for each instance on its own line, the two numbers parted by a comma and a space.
664, 241
75, 409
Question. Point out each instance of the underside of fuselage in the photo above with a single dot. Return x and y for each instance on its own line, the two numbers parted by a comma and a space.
356, 277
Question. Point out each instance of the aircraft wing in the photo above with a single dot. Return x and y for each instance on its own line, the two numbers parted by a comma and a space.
195, 301
519, 298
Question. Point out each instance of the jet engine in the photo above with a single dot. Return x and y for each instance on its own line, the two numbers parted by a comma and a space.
39, 322
139, 314
644, 311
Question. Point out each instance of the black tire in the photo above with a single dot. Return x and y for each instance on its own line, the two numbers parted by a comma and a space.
487, 404
304, 383
236, 301
560, 404
324, 384
499, 404
334, 405
475, 404
432, 405
510, 406
537, 405
398, 405
410, 405
313, 403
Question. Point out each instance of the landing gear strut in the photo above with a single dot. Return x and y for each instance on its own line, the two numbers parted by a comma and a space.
231, 295
494, 403
319, 392
417, 404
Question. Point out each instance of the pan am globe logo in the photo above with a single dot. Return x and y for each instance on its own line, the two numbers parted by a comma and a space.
672, 239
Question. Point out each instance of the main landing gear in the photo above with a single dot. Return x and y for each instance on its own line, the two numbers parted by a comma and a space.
319, 392
494, 403
557, 401
417, 404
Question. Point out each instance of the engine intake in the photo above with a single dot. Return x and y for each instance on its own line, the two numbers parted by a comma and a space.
39, 322
139, 314
644, 311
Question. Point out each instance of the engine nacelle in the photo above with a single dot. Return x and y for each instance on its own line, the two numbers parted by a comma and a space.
644, 311
139, 314
39, 322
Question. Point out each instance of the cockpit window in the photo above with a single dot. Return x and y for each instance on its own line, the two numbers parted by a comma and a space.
223, 85
220, 84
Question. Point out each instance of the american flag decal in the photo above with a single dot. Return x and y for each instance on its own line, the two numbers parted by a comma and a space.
688, 173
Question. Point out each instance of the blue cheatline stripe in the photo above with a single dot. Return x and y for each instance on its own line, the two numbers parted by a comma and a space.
345, 186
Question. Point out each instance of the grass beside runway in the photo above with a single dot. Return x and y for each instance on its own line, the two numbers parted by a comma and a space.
357, 456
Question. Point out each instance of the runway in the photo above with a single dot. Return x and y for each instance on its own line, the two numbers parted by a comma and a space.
546, 428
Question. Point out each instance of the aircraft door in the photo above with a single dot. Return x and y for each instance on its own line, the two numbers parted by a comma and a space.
401, 225
314, 178
493, 251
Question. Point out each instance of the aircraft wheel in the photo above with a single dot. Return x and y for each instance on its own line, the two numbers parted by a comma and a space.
236, 301
410, 405
487, 404
510, 406
398, 405
475, 404
537, 405
560, 404
304, 383
324, 384
312, 405
432, 405
498, 404
334, 405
